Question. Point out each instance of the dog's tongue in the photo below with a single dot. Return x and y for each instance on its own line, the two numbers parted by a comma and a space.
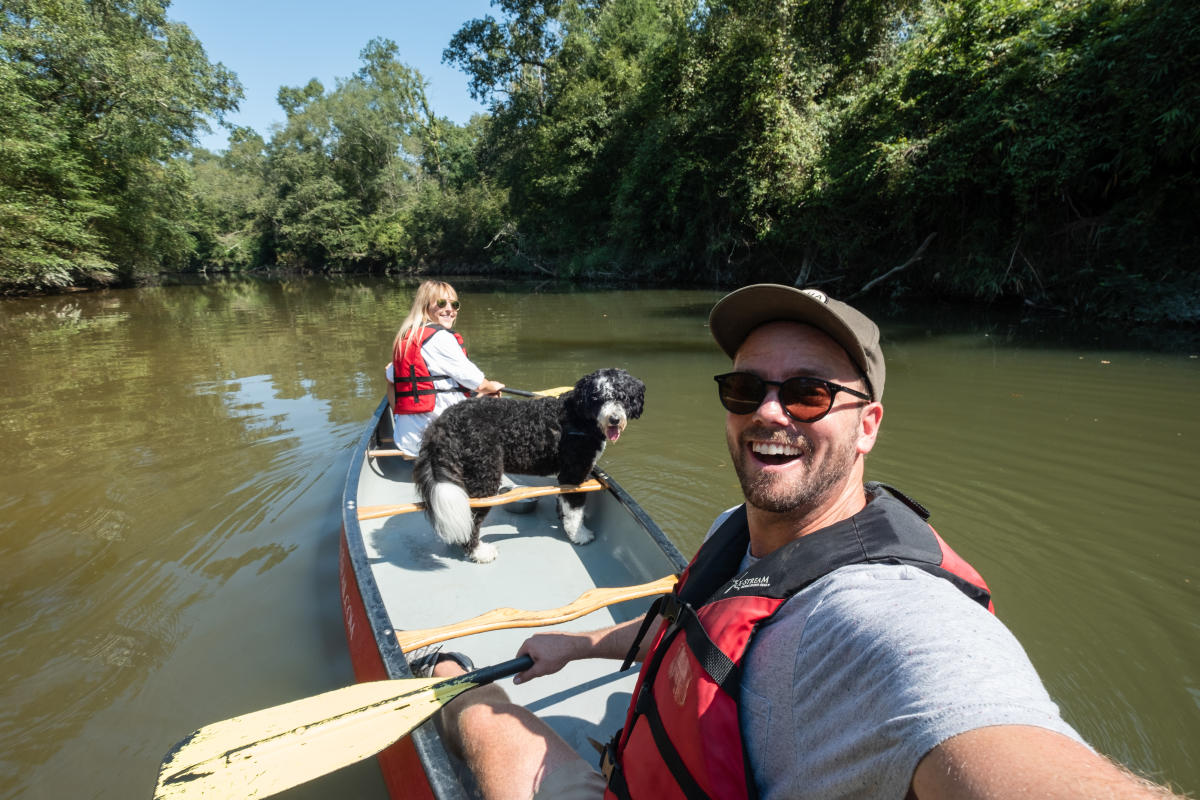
613, 432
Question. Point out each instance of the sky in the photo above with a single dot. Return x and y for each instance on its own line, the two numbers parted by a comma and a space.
274, 43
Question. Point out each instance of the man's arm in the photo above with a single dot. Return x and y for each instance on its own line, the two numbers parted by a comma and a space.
552, 651
1005, 761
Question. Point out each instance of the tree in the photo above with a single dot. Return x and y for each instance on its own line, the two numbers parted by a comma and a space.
120, 90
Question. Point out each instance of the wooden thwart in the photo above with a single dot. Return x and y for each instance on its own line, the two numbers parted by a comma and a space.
390, 454
515, 494
499, 618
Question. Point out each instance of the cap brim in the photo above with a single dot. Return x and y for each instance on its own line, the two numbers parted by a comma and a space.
741, 311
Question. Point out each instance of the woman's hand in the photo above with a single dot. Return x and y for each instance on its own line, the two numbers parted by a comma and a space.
488, 388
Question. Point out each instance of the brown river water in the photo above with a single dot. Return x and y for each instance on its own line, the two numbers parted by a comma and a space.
172, 459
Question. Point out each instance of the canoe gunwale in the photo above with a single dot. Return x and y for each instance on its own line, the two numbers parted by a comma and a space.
443, 778
432, 753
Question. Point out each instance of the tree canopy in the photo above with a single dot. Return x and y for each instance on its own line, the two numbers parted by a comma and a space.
98, 97
1042, 150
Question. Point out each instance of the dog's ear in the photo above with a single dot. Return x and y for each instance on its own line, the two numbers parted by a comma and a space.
637, 397
571, 400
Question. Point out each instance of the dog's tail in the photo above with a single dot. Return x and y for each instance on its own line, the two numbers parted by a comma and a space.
446, 502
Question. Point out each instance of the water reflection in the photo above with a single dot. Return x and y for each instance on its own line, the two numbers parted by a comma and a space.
173, 459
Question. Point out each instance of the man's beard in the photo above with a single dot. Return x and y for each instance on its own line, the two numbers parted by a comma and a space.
805, 490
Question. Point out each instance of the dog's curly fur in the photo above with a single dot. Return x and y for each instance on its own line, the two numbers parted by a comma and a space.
466, 450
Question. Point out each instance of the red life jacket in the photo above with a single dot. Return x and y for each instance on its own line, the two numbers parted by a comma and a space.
682, 737
414, 385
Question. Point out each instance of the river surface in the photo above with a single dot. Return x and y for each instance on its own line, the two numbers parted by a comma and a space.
172, 459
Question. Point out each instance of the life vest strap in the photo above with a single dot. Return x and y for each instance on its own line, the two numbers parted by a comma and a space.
651, 615
713, 659
670, 756
610, 768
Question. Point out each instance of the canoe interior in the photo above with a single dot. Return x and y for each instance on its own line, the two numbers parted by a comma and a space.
422, 582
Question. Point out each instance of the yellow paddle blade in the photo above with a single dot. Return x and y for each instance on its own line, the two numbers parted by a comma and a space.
268, 751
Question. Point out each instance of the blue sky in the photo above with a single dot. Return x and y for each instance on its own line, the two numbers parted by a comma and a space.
273, 43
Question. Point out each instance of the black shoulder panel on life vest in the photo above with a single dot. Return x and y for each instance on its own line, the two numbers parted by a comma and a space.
891, 529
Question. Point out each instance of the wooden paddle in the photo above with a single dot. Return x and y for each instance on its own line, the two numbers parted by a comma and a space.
498, 618
268, 751
511, 496
555, 392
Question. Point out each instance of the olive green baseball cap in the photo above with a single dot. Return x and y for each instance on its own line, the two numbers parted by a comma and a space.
738, 313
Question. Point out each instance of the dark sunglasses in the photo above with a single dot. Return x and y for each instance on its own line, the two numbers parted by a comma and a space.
803, 399
453, 303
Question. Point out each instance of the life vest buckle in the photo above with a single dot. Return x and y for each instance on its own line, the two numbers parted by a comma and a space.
670, 607
607, 762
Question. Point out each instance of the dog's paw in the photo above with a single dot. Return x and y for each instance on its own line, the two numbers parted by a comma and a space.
483, 553
581, 536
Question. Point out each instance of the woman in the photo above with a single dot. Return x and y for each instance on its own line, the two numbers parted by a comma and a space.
430, 370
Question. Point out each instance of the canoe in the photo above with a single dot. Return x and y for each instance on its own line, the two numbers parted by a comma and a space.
396, 576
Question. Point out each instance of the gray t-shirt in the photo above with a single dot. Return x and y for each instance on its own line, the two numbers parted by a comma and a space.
865, 671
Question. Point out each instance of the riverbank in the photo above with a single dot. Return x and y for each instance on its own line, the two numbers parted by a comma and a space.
1129, 307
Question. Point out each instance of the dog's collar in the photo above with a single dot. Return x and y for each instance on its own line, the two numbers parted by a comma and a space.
567, 431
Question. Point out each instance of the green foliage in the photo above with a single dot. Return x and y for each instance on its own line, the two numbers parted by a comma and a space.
1042, 149
47, 196
229, 192
97, 97
1048, 144
362, 176
1036, 149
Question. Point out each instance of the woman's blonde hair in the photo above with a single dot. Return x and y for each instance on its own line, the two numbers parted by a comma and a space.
428, 292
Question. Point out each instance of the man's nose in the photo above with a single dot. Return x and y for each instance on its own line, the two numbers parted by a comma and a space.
771, 409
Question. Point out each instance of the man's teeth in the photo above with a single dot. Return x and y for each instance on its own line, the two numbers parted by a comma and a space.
770, 449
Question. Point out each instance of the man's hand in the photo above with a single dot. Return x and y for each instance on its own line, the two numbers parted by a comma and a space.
551, 652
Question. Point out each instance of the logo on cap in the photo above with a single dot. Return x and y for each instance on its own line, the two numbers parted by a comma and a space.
815, 294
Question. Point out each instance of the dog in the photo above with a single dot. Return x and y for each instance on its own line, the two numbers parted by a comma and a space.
466, 450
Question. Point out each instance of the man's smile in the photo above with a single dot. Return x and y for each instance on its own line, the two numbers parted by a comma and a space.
776, 453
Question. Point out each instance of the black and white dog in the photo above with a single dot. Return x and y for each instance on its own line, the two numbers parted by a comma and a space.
465, 451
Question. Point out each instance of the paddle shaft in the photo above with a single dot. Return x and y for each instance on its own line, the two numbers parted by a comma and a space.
486, 675
498, 618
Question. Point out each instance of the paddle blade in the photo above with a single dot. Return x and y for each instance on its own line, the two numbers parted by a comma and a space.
555, 392
261, 754
268, 751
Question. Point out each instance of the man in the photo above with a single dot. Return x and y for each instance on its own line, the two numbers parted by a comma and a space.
822, 676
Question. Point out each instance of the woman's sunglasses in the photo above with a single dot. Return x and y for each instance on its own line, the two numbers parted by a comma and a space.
453, 303
803, 399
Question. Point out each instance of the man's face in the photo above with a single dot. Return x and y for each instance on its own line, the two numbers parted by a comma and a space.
785, 465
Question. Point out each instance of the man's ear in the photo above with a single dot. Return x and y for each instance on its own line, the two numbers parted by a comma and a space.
868, 427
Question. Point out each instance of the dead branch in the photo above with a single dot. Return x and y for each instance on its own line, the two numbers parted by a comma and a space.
915, 257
